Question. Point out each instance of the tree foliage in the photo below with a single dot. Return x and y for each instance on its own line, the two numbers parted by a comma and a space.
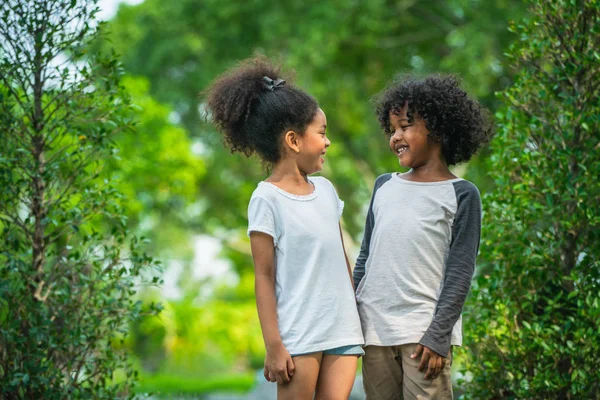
343, 52
534, 316
68, 270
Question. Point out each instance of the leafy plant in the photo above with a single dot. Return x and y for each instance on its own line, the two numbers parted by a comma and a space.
68, 269
534, 316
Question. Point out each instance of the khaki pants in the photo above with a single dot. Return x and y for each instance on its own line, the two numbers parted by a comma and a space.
390, 374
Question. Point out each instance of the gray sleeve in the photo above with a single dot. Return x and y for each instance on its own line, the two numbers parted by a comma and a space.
359, 267
460, 266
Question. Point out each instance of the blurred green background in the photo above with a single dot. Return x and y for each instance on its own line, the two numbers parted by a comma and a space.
189, 195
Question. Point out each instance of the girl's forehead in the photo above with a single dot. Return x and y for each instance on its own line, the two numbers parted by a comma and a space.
320, 117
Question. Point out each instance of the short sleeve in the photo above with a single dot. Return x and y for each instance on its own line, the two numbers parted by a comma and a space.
261, 217
338, 201
340, 205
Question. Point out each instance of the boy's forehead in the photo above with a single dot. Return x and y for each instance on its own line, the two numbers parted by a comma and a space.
400, 111
399, 115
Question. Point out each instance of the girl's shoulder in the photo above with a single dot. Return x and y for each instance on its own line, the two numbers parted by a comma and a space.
323, 184
263, 191
320, 180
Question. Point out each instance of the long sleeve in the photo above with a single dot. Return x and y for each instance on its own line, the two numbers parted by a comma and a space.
460, 266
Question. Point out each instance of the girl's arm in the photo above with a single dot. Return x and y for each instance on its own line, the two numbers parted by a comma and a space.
278, 362
346, 256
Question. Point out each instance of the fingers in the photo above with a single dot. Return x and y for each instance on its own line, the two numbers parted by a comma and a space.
280, 373
266, 374
438, 367
291, 368
272, 377
431, 367
283, 374
417, 351
435, 367
424, 358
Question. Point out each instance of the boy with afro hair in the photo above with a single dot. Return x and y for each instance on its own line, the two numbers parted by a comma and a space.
421, 239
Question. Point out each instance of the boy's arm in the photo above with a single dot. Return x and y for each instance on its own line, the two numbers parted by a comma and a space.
460, 266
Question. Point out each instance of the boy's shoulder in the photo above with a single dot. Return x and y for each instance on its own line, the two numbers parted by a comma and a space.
384, 177
381, 179
464, 187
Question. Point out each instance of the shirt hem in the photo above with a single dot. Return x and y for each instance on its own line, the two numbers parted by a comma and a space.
262, 230
409, 340
358, 341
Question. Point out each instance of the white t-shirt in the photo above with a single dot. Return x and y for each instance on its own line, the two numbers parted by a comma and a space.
316, 308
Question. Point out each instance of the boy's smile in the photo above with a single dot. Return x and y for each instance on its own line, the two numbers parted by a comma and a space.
410, 140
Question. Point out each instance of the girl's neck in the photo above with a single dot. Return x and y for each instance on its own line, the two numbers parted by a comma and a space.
287, 176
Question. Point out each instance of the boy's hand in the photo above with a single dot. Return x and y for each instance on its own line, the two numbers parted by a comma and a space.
279, 366
430, 359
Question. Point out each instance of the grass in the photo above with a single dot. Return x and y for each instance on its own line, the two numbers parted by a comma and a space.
183, 385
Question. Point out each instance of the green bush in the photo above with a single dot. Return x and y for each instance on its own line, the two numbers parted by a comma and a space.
68, 271
533, 317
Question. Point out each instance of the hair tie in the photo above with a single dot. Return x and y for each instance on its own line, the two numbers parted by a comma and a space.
271, 84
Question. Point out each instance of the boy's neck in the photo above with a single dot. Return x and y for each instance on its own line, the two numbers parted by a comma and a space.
433, 171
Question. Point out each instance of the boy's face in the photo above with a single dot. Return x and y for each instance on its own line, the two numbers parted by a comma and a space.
410, 140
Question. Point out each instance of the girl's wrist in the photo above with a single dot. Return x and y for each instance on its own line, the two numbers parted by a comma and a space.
273, 343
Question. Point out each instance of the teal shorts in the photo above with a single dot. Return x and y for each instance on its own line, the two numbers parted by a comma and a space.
350, 350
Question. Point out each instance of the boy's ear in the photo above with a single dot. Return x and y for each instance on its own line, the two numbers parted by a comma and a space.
291, 140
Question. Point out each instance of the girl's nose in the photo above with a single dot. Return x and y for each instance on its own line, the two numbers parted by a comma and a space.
327, 142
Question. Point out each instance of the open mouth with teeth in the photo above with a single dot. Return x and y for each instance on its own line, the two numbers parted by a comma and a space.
401, 150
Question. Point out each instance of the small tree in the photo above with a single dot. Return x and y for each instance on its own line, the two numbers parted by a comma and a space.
67, 269
535, 311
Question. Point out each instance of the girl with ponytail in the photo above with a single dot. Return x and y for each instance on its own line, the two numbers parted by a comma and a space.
304, 291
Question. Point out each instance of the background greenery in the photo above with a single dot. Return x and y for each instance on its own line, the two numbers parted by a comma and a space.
531, 321
343, 53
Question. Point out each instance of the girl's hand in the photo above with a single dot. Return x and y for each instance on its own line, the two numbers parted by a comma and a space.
279, 366
434, 362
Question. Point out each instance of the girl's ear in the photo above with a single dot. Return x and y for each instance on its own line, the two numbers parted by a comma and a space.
291, 140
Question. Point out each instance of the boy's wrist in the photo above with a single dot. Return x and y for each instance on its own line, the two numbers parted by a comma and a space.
439, 345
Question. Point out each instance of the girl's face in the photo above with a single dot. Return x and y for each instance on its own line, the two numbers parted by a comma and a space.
410, 140
313, 145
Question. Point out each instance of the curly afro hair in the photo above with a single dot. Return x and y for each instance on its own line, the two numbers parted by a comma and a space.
253, 115
451, 117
